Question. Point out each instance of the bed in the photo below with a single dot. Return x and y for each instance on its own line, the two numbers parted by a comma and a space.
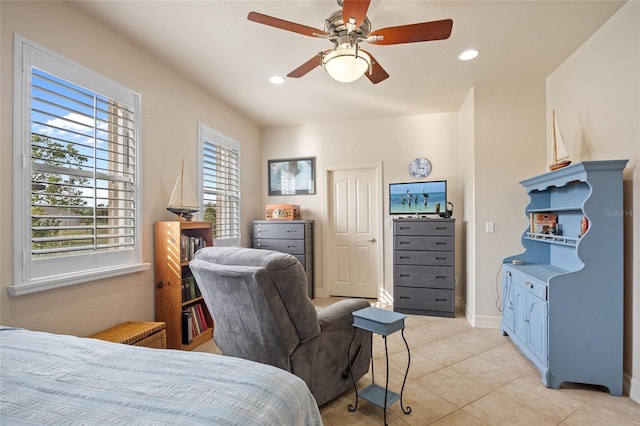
57, 379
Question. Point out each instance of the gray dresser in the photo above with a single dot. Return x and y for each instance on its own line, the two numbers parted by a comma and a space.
423, 266
288, 236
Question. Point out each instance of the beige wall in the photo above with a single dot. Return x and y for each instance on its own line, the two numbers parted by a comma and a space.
172, 107
596, 95
466, 252
509, 146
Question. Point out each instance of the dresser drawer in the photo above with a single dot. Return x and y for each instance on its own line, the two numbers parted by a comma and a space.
430, 258
431, 227
537, 288
285, 246
423, 243
423, 276
290, 231
423, 299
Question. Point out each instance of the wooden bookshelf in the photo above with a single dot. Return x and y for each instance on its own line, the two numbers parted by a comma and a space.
175, 243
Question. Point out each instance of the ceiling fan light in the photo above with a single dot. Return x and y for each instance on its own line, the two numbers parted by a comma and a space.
345, 66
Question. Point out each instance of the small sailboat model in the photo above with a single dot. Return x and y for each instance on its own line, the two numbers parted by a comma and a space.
560, 156
183, 201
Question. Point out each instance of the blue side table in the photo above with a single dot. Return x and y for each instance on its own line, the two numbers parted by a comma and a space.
381, 322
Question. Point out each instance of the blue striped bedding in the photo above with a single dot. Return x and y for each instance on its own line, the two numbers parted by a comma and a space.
66, 380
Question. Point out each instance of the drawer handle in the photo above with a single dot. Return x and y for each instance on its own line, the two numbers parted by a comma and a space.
292, 246
405, 275
441, 277
405, 242
405, 257
441, 300
441, 258
441, 243
405, 297
441, 228
405, 227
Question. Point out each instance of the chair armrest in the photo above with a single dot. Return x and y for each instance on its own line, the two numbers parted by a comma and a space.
339, 316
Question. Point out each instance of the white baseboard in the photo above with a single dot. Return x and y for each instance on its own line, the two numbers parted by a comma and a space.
631, 387
480, 321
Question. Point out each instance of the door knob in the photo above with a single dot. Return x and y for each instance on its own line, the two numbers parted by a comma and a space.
373, 240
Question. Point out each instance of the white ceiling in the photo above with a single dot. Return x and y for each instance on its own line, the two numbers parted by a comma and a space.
213, 44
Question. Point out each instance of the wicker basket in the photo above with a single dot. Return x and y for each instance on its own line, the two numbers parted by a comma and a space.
147, 334
287, 212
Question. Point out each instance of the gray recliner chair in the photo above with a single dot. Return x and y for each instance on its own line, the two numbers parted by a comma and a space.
261, 311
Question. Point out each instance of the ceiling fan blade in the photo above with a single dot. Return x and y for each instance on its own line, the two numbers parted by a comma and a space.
286, 25
307, 66
377, 72
356, 9
425, 31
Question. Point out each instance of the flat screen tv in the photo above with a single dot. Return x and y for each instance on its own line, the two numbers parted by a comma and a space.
418, 198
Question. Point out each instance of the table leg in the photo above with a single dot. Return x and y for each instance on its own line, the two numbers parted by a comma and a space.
408, 409
352, 407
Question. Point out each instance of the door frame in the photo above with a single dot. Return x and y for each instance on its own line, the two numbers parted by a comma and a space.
328, 237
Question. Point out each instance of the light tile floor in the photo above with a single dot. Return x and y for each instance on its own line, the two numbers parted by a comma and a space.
460, 375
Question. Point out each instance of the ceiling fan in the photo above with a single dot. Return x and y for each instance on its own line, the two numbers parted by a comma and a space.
349, 27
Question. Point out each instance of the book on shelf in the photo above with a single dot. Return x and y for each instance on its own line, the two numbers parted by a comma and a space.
542, 223
196, 322
189, 288
187, 327
189, 245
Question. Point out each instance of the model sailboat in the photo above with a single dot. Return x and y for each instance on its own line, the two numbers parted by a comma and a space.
560, 156
183, 201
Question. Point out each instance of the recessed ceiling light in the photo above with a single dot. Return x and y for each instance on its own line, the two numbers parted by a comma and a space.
468, 54
276, 79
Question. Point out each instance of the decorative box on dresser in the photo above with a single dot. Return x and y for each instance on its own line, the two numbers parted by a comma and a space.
175, 288
423, 266
288, 236
562, 299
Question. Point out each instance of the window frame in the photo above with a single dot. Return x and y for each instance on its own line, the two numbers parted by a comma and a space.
204, 134
35, 275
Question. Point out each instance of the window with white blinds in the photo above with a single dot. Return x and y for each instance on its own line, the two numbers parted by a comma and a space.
220, 185
76, 207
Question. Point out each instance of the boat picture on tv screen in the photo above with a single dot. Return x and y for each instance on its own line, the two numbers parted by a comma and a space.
417, 198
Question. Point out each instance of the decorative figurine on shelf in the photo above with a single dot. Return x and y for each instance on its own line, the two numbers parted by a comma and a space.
584, 226
555, 229
183, 201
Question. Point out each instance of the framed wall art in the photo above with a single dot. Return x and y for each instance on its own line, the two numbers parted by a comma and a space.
294, 176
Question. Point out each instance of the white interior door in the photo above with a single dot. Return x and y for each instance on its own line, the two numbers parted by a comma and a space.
354, 249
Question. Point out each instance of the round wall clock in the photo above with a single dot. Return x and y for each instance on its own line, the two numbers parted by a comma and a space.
420, 168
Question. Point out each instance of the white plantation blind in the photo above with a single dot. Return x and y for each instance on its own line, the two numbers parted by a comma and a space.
77, 152
83, 170
220, 186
